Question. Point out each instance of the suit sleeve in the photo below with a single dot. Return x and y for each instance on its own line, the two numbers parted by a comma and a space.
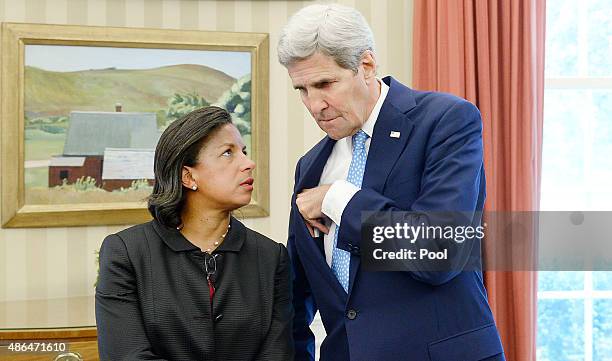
303, 302
121, 332
279, 340
450, 183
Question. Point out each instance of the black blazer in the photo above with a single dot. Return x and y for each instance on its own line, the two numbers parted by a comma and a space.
152, 297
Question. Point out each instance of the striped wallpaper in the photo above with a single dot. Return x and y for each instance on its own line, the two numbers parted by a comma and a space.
59, 262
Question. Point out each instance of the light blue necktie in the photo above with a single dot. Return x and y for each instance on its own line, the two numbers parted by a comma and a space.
341, 259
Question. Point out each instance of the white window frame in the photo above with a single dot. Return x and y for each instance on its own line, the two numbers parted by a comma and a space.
588, 295
582, 82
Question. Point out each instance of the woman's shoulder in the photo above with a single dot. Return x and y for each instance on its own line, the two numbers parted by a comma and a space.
134, 233
130, 237
264, 244
263, 241
271, 255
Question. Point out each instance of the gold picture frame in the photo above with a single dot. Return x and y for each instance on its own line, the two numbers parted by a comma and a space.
16, 212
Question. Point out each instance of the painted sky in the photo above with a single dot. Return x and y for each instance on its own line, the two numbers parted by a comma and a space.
75, 58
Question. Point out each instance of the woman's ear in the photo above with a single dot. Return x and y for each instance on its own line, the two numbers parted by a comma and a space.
187, 178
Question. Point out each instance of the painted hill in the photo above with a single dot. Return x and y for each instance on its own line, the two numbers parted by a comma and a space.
57, 93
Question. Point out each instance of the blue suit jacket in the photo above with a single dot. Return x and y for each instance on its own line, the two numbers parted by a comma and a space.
436, 164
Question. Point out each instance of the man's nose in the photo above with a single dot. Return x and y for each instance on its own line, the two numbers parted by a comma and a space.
316, 103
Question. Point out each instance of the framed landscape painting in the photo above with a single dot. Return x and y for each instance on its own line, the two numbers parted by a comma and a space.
84, 107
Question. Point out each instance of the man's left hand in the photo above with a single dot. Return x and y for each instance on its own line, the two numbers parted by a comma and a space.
309, 202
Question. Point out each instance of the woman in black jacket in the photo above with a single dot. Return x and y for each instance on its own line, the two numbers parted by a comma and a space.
195, 283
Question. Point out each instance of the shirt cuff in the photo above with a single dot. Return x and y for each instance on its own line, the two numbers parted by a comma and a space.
336, 199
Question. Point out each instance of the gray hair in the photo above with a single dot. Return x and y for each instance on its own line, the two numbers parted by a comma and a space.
334, 30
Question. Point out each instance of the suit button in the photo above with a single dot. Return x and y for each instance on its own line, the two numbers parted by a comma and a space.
355, 250
219, 317
351, 314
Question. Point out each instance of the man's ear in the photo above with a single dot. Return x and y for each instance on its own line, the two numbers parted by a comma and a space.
187, 177
368, 62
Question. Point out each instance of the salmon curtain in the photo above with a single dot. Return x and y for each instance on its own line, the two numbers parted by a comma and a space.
491, 52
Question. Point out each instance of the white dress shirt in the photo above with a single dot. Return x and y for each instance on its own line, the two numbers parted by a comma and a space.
336, 171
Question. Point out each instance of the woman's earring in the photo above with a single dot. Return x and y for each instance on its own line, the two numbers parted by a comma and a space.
194, 187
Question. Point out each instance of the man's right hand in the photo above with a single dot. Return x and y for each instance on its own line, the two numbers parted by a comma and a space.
309, 203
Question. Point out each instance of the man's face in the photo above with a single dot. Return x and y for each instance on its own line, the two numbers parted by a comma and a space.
339, 100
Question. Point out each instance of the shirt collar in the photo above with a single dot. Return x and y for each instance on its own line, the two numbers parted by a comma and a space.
368, 126
173, 238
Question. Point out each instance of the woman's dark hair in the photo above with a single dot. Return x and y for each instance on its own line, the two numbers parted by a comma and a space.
179, 146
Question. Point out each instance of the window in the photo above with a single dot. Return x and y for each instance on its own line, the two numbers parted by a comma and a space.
63, 174
575, 308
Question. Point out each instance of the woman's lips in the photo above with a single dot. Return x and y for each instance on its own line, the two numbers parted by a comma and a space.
248, 183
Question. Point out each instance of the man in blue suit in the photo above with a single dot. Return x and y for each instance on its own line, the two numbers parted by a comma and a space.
388, 148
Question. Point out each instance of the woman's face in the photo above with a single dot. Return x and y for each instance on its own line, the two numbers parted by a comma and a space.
223, 172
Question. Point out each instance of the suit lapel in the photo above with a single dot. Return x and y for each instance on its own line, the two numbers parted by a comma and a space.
314, 168
389, 139
385, 149
310, 178
390, 136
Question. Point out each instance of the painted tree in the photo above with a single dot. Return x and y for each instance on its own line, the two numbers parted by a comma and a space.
181, 104
237, 101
